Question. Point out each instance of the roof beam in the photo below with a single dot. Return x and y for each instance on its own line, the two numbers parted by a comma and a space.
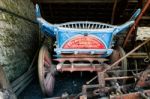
76, 1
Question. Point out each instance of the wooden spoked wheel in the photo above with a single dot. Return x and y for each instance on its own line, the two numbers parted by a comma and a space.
46, 71
116, 55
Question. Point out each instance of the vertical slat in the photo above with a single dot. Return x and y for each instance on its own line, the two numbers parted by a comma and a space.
86, 25
102, 26
92, 26
83, 25
89, 25
79, 26
76, 26
99, 26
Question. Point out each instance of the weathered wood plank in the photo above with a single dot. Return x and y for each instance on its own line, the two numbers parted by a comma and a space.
143, 33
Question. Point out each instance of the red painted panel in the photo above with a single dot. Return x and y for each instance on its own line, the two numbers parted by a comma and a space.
84, 42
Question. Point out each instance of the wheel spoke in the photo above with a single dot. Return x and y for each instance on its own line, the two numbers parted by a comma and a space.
46, 79
49, 83
47, 59
46, 64
44, 69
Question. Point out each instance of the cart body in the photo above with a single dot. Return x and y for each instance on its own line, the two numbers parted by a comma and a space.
80, 46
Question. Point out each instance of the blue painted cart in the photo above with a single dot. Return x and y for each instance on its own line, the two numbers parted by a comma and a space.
80, 46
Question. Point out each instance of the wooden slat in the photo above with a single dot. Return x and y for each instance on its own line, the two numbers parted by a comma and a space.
21, 83
23, 87
21, 78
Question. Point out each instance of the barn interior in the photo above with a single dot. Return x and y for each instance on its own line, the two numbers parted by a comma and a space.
22, 39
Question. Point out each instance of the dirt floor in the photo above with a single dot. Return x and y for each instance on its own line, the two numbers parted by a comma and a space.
70, 83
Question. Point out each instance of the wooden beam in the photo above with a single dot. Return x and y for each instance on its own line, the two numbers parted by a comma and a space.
113, 12
146, 18
76, 1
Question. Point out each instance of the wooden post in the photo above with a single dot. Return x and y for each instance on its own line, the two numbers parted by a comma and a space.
101, 79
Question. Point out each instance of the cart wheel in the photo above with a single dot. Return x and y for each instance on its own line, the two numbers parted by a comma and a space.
46, 71
116, 55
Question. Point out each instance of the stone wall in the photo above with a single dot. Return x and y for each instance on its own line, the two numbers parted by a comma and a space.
18, 37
